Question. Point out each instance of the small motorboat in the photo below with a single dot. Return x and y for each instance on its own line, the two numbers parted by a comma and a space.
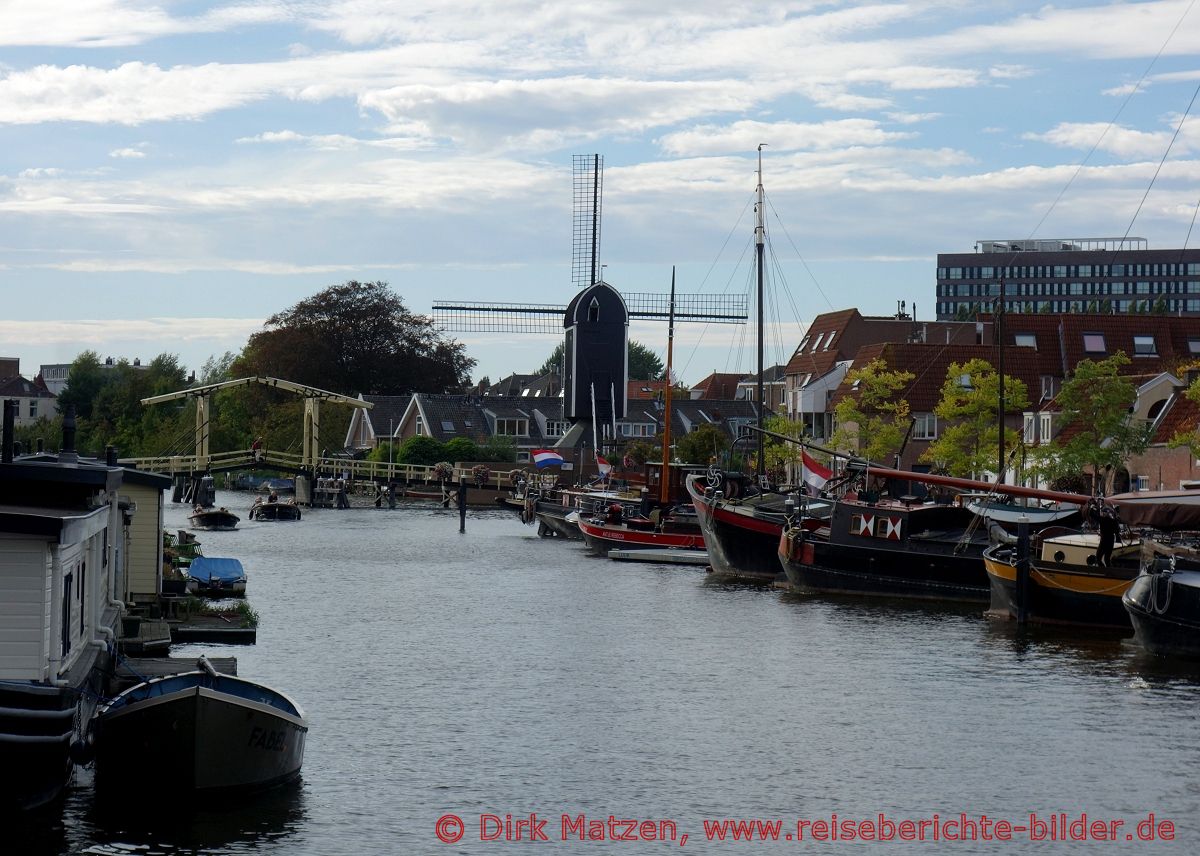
197, 731
213, 577
274, 510
213, 519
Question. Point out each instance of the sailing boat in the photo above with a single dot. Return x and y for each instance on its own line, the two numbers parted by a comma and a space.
743, 524
664, 527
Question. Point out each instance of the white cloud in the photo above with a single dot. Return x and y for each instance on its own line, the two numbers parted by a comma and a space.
40, 172
1122, 142
781, 136
90, 333
128, 152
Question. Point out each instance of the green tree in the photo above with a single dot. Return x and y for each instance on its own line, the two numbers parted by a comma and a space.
778, 454
640, 451
1160, 307
498, 448
968, 444
420, 449
706, 444
873, 418
217, 369
461, 449
1095, 406
84, 380
356, 337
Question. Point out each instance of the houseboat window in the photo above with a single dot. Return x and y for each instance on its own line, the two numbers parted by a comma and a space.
66, 615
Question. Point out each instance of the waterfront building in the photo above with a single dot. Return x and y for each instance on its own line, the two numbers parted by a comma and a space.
1075, 275
33, 399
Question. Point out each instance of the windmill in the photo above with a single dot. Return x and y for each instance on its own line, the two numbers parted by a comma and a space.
595, 323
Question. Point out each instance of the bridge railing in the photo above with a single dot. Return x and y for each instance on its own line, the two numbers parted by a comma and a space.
356, 470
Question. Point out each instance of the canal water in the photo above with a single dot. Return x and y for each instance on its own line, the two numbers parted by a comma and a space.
450, 676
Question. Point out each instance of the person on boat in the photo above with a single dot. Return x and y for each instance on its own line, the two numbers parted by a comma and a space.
614, 513
1110, 526
273, 497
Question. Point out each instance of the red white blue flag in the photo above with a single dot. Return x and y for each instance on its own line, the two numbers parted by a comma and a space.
814, 474
604, 466
546, 458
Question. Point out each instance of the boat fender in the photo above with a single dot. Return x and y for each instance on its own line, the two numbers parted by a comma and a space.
82, 752
998, 535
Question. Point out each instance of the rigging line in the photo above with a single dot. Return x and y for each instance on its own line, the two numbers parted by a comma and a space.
787, 235
1158, 169
703, 330
1188, 237
1113, 121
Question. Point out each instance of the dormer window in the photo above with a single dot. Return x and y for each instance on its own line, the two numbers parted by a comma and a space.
594, 310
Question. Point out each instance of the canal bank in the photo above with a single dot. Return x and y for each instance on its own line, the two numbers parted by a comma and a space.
499, 673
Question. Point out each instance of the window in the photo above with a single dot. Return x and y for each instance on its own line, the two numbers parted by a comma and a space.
817, 344
556, 428
829, 341
1118, 270
1144, 346
1193, 268
1025, 340
1047, 387
420, 427
637, 429
1029, 428
512, 427
1085, 270
925, 426
956, 273
33, 408
1143, 482
594, 310
1194, 345
803, 344
1143, 287
1046, 427
447, 426
1093, 343
1060, 270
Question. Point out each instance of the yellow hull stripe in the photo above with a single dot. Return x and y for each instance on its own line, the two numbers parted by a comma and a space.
1078, 583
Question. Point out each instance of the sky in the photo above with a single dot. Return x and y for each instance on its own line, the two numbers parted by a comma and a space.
173, 173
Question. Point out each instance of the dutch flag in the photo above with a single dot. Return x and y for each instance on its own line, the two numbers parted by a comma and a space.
546, 458
814, 474
604, 466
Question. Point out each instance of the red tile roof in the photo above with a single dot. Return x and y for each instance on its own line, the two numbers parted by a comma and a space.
719, 385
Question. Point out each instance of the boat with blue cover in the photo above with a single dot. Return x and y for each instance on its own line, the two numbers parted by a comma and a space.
215, 577
199, 731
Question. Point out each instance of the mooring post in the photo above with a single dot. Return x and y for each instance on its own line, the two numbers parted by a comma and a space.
462, 504
1022, 569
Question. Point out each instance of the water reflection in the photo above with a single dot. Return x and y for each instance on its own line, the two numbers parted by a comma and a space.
175, 824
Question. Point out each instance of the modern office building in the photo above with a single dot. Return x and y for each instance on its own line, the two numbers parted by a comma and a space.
1069, 275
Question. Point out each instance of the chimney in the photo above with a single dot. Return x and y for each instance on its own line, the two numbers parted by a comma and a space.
110, 456
67, 454
10, 408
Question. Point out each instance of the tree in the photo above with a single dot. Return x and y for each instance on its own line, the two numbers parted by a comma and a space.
461, 449
356, 337
420, 449
1095, 406
217, 369
777, 455
702, 446
644, 364
968, 444
873, 419
640, 451
84, 380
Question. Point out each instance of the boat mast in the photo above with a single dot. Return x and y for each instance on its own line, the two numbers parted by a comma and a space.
664, 486
759, 232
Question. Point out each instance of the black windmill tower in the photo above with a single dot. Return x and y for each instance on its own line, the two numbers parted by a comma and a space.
594, 324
